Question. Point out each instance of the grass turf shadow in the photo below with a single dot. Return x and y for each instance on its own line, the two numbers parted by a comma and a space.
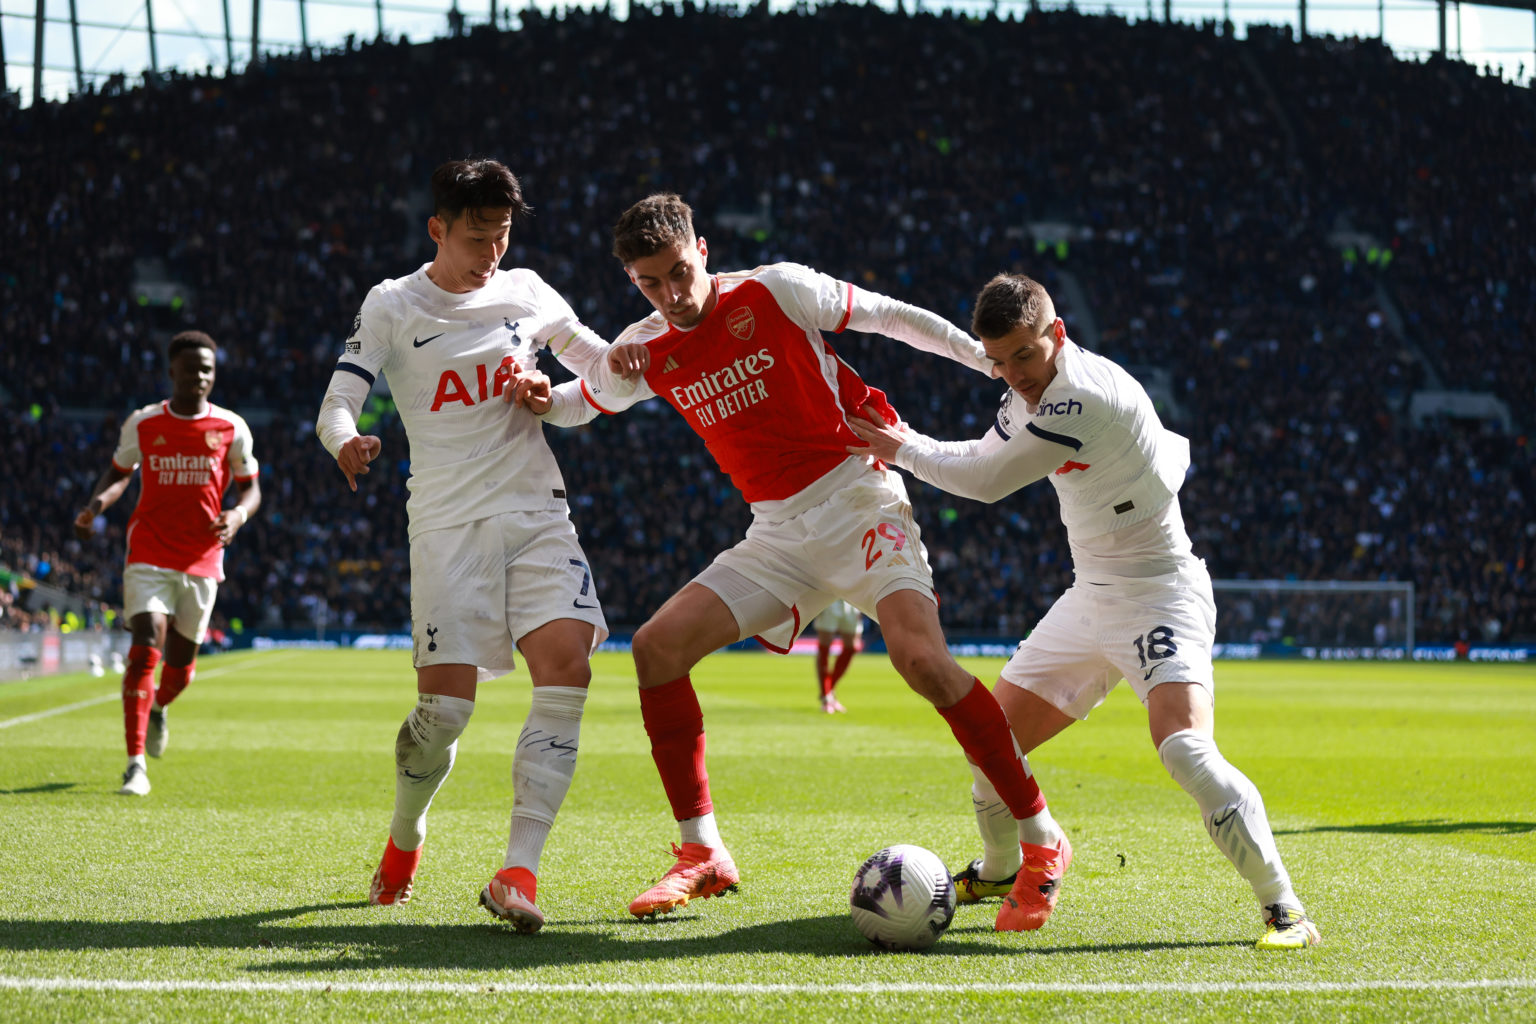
490, 946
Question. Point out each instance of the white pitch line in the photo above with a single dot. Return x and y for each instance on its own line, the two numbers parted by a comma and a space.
750, 989
116, 695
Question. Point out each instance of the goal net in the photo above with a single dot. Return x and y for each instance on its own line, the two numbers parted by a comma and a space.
1314, 618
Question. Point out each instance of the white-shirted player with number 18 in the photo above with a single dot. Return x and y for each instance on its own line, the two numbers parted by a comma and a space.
1141, 605
495, 563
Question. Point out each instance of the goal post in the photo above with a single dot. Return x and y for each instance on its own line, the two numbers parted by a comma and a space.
1315, 617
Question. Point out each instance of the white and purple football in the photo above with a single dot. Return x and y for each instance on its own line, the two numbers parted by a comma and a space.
902, 898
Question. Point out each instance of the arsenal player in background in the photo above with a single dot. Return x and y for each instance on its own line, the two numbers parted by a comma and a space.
189, 450
741, 356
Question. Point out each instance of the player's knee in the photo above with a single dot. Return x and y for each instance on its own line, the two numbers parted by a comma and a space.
434, 725
1191, 759
564, 668
651, 649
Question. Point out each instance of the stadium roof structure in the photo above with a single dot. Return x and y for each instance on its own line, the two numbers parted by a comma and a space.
79, 50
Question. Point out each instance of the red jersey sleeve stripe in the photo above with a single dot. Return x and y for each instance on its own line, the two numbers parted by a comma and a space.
253, 476
121, 469
847, 308
592, 401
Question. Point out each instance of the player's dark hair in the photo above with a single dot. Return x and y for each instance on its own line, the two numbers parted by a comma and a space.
1008, 301
469, 186
190, 339
655, 223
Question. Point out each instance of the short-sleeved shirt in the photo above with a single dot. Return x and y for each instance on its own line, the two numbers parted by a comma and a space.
447, 358
187, 463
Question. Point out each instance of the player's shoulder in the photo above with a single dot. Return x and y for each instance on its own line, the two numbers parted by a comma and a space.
392, 288
643, 332
518, 284
1101, 381
770, 274
234, 419
146, 412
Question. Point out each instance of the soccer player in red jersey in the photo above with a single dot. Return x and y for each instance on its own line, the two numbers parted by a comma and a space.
843, 622
742, 358
189, 450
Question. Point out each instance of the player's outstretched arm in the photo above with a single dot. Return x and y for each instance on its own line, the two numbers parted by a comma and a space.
923, 330
109, 487
987, 469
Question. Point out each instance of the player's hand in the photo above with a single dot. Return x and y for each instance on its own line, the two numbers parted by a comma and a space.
228, 523
881, 439
85, 523
628, 359
355, 455
532, 390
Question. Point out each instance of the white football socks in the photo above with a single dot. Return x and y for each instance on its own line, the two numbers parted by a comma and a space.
424, 753
1233, 812
542, 769
702, 830
1000, 853
1001, 833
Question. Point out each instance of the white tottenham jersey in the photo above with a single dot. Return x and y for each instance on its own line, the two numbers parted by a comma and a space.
1097, 438
447, 358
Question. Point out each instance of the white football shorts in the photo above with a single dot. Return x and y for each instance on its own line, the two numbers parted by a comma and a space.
480, 587
186, 599
841, 618
860, 545
1157, 630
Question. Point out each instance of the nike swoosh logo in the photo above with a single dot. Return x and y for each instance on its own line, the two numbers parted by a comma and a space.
417, 343
1217, 823
1148, 674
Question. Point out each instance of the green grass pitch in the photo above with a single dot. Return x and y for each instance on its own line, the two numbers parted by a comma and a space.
1403, 798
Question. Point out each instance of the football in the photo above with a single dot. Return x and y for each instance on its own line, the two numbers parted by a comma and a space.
902, 898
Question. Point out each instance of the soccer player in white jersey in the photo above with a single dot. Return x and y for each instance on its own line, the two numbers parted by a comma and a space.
495, 563
189, 451
844, 623
742, 358
1141, 604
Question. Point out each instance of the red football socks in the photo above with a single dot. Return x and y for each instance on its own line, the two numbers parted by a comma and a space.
978, 722
844, 659
676, 727
138, 694
173, 679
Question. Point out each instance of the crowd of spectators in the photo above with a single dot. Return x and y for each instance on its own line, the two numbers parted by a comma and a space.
1194, 181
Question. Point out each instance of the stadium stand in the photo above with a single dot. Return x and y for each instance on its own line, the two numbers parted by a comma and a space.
1277, 236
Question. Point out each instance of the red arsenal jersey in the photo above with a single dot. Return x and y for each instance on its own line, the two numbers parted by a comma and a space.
758, 382
187, 463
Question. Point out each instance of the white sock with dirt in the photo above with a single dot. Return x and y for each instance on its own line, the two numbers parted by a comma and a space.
424, 751
542, 769
1233, 812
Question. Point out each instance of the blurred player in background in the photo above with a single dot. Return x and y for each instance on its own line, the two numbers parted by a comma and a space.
495, 563
189, 450
1141, 605
843, 622
742, 358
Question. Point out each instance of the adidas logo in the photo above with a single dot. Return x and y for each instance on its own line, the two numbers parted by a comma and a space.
160, 439
669, 365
